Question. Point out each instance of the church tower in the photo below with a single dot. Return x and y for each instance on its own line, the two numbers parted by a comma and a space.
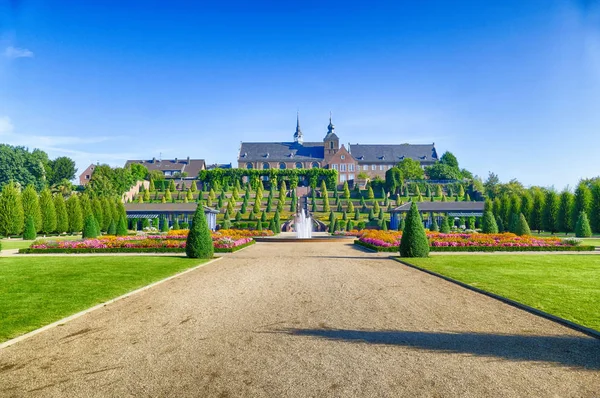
331, 141
298, 134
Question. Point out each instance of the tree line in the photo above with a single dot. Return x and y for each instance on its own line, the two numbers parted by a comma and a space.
53, 214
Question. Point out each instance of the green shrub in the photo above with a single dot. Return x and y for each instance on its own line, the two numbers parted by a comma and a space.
121, 228
522, 226
164, 227
361, 225
582, 228
500, 224
89, 228
199, 241
176, 224
30, 232
414, 242
489, 223
349, 225
445, 227
434, 226
402, 224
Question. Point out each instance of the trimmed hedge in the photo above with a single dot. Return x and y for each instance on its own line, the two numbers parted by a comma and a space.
484, 248
234, 249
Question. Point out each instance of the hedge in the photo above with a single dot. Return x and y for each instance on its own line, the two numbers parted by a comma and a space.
394, 249
127, 250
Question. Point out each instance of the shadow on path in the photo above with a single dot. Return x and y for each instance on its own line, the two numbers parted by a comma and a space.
572, 351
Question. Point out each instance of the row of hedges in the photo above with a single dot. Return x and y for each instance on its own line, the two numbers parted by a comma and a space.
126, 250
394, 249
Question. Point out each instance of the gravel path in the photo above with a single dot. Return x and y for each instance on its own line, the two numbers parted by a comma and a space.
304, 320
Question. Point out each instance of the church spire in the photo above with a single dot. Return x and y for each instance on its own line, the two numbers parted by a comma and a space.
298, 134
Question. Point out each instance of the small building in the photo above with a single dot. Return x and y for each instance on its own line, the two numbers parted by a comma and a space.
182, 212
84, 178
438, 209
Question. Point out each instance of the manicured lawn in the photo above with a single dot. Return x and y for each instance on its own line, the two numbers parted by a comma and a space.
564, 285
591, 241
36, 291
22, 244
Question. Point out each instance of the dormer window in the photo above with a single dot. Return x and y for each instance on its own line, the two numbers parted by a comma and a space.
266, 155
401, 157
343, 157
245, 154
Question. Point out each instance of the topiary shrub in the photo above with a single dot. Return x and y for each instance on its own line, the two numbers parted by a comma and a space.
582, 228
513, 223
350, 225
176, 225
121, 229
199, 241
402, 224
89, 228
30, 232
414, 241
434, 226
445, 227
500, 224
489, 225
522, 226
164, 226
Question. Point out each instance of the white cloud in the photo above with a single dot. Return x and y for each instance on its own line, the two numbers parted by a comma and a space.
6, 126
16, 52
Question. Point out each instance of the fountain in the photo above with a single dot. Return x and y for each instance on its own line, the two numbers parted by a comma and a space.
303, 225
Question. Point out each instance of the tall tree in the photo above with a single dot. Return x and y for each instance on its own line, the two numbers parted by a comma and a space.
62, 218
48, 211
11, 210
581, 202
98, 211
565, 211
536, 220
595, 207
63, 168
31, 206
526, 204
75, 214
551, 206
411, 169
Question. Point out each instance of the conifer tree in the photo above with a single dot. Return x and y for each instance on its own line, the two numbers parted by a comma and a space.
461, 191
48, 212
29, 233
193, 188
489, 225
370, 194
434, 226
86, 205
175, 225
522, 226
500, 224
31, 206
438, 190
163, 199
356, 215
582, 201
380, 215
199, 241
444, 198
11, 210
346, 190
350, 207
259, 226
151, 187
339, 208
371, 215
513, 223
238, 216
402, 224
428, 191
565, 217
167, 194
263, 217
140, 199
211, 194
467, 198
414, 241
146, 198
326, 207
376, 207
582, 228
62, 219
89, 227
551, 212
445, 227
350, 225
75, 214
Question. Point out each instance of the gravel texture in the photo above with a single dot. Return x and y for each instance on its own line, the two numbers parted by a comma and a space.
304, 320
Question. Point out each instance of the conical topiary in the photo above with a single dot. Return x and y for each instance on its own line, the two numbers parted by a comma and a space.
89, 228
112, 227
176, 224
445, 227
500, 224
414, 241
30, 232
582, 228
121, 226
402, 224
199, 242
434, 226
489, 225
522, 226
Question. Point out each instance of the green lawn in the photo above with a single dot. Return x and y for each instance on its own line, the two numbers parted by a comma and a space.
22, 244
36, 291
564, 285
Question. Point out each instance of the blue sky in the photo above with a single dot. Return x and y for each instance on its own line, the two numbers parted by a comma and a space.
508, 86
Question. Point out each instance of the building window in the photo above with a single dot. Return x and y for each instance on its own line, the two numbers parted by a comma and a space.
331, 145
298, 165
282, 165
342, 167
373, 167
334, 166
350, 177
351, 167
366, 167
248, 165
342, 177
380, 167
343, 157
315, 165
266, 166
87, 176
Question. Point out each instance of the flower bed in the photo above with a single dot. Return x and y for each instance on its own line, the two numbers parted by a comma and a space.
389, 241
223, 242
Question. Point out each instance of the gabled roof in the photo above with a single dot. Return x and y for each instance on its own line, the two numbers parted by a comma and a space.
190, 166
393, 153
165, 208
443, 207
280, 151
